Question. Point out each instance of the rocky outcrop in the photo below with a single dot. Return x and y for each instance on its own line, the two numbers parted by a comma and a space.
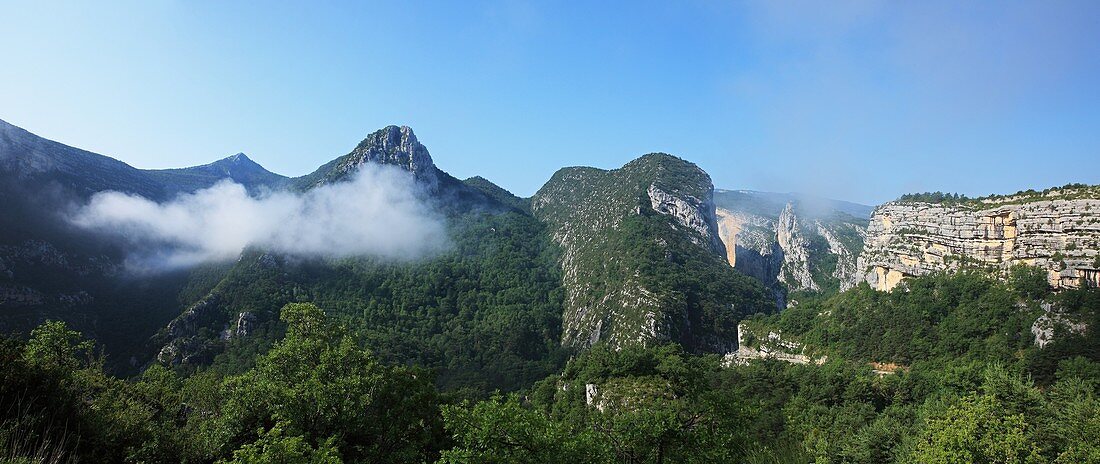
23, 265
767, 344
19, 295
201, 331
195, 317
41, 254
1052, 322
1058, 231
695, 214
390, 146
796, 251
787, 244
185, 343
242, 327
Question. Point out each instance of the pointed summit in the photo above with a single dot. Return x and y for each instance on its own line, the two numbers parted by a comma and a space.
239, 158
392, 146
239, 168
239, 164
395, 146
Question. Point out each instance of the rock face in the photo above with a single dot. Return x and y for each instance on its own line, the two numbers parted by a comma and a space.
752, 248
398, 147
761, 343
625, 234
390, 146
1051, 322
696, 215
1058, 231
790, 242
183, 344
796, 251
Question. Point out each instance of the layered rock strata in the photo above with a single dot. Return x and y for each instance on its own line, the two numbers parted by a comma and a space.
1058, 231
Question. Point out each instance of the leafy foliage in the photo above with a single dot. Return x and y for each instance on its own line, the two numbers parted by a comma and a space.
934, 197
484, 315
976, 391
967, 396
968, 314
317, 396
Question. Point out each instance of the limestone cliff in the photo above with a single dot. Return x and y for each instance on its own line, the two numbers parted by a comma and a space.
1057, 230
790, 242
796, 251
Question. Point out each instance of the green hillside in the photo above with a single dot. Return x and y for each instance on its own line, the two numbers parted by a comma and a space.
636, 276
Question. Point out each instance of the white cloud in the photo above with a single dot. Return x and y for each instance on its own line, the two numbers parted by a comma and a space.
380, 212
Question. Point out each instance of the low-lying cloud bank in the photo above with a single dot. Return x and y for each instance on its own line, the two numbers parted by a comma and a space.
380, 213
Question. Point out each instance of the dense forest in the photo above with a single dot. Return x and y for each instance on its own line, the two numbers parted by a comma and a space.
484, 315
965, 383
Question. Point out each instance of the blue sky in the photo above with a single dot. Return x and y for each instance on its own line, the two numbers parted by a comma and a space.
854, 100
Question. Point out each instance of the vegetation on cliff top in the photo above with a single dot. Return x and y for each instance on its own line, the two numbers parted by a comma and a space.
1066, 192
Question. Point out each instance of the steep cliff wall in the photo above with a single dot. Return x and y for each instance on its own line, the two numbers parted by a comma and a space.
787, 242
1058, 231
751, 247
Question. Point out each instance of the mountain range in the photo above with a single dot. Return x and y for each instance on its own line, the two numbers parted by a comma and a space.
379, 309
642, 255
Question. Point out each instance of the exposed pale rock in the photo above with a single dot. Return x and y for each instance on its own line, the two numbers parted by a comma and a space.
728, 228
770, 346
846, 254
591, 393
796, 251
780, 250
1045, 327
1060, 235
242, 327
691, 212
395, 146
390, 146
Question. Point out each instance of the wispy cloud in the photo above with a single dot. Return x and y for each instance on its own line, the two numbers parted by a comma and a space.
378, 213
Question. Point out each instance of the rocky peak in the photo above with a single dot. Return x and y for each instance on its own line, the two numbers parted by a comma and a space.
240, 159
395, 146
236, 164
796, 248
392, 146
